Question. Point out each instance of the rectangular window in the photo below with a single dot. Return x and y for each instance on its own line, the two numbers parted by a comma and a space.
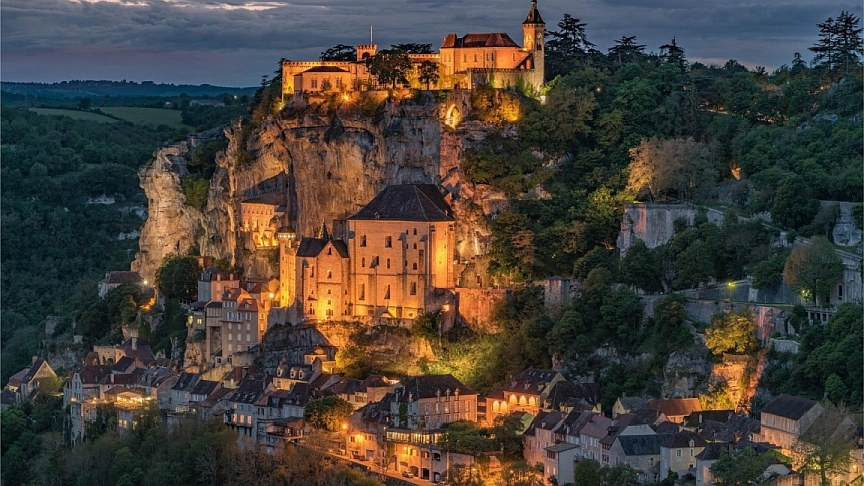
413, 288
362, 240
388, 242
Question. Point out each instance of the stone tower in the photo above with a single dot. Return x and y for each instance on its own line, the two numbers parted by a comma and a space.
533, 40
287, 266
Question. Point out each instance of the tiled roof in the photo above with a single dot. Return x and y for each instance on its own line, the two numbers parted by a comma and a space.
711, 452
640, 445
430, 386
532, 381
325, 69
490, 39
204, 387
312, 247
123, 364
666, 428
676, 407
683, 439
407, 202
186, 382
788, 406
92, 375
696, 418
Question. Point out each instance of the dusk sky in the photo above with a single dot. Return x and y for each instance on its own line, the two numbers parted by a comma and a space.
235, 42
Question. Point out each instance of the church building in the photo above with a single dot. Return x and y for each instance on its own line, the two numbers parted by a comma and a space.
393, 256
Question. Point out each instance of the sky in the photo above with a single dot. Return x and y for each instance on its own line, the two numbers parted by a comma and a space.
235, 42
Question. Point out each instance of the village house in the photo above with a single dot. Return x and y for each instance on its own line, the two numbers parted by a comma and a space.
25, 384
678, 453
676, 409
784, 419
463, 62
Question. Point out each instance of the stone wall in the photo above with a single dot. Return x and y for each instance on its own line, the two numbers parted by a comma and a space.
653, 223
475, 307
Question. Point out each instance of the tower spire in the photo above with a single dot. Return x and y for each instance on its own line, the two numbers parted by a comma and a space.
533, 15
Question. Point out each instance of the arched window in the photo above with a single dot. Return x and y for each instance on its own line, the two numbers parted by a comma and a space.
532, 401
362, 292
495, 406
362, 240
414, 266
512, 398
387, 292
329, 274
388, 263
522, 400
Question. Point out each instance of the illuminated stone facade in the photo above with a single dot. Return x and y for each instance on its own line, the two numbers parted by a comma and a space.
394, 254
463, 62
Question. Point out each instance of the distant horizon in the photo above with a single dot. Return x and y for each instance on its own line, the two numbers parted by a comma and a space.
233, 43
140, 82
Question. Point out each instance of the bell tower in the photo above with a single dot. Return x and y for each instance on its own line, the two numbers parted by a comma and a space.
533, 40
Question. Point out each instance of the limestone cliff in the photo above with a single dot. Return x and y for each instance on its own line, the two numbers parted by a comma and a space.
327, 165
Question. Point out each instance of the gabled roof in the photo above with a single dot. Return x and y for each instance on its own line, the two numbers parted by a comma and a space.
312, 247
789, 406
186, 382
531, 381
676, 407
92, 375
489, 39
123, 364
326, 69
697, 418
431, 386
204, 387
683, 439
597, 427
640, 445
711, 452
407, 202
666, 428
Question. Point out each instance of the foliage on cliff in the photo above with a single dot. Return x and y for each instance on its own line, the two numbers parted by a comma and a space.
828, 364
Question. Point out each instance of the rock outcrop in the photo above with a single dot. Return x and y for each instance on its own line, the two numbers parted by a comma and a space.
327, 166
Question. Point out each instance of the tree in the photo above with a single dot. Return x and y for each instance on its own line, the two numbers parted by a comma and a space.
329, 413
740, 468
339, 52
672, 53
640, 269
839, 45
734, 332
794, 205
177, 277
768, 273
813, 269
390, 66
825, 447
428, 73
586, 473
413, 48
626, 50
568, 46
679, 167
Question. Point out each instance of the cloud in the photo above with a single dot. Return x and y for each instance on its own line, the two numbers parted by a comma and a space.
236, 41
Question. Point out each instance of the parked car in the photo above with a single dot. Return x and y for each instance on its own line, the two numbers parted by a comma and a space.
408, 474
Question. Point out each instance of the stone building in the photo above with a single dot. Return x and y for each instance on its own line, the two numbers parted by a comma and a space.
465, 62
393, 260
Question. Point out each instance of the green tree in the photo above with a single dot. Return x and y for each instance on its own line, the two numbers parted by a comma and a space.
428, 73
568, 46
740, 468
640, 269
390, 67
824, 449
329, 413
794, 204
177, 277
413, 48
769, 273
339, 52
587, 473
626, 50
733, 332
813, 269
672, 53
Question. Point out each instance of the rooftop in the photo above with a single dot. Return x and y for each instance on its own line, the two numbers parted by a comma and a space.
788, 406
407, 202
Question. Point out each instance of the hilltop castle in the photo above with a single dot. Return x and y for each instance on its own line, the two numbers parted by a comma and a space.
463, 62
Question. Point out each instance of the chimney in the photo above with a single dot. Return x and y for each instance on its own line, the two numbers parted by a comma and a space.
134, 343
33, 359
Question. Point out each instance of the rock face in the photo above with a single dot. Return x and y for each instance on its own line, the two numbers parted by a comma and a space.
654, 223
327, 167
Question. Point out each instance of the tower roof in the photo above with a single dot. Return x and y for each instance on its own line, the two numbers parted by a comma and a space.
533, 15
